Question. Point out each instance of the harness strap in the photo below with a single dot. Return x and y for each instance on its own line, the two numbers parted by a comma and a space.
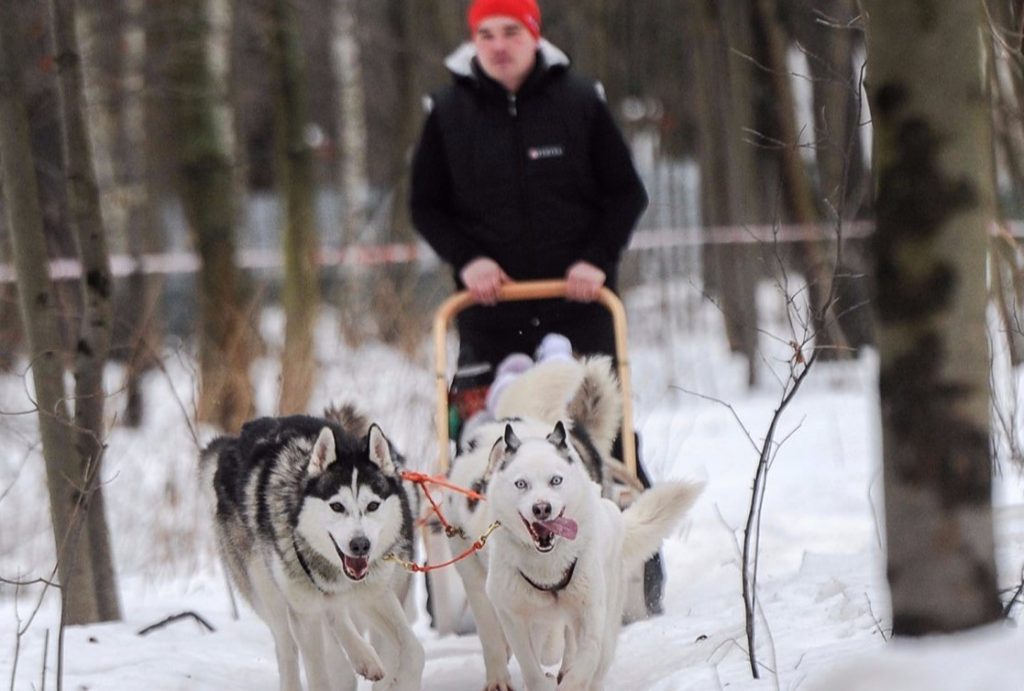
422, 479
426, 568
557, 587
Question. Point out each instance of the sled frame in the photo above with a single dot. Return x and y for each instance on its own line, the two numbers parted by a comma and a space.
533, 290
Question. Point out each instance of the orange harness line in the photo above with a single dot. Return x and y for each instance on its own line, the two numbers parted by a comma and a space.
422, 480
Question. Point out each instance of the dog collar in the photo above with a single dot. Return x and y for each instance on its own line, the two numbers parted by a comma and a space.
305, 566
555, 588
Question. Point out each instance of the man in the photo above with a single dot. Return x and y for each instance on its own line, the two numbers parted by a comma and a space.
522, 174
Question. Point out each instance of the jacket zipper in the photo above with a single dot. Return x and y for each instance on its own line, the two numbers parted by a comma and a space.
513, 111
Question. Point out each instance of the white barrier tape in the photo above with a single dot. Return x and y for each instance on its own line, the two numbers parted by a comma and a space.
188, 262
403, 253
663, 238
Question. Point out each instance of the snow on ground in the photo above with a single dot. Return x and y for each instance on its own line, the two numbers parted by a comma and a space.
821, 586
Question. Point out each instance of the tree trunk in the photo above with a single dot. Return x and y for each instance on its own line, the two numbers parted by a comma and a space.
295, 181
143, 232
38, 305
827, 30
1006, 85
935, 200
93, 345
12, 336
818, 268
353, 297
727, 165
597, 18
352, 135
114, 83
399, 322
203, 126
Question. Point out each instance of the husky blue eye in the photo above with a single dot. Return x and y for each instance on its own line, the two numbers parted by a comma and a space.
520, 484
556, 480
337, 507
372, 506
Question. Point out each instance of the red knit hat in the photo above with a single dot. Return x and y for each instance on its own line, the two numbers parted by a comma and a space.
524, 11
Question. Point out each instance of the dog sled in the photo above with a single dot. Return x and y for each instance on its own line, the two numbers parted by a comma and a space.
446, 600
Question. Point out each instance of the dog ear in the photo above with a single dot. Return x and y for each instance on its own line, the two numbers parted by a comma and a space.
324, 452
558, 436
378, 448
511, 440
506, 445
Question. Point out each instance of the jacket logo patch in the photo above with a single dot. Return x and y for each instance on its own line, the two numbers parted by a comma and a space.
535, 153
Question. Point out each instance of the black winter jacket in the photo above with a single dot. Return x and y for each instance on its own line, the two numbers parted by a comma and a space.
536, 181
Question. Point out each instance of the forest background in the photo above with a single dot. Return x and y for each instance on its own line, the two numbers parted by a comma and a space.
171, 170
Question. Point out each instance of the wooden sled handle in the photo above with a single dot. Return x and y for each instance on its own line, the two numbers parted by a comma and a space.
532, 290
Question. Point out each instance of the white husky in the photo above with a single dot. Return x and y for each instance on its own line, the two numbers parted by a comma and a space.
558, 566
585, 391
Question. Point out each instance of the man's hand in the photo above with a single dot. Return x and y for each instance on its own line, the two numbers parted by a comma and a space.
584, 281
483, 277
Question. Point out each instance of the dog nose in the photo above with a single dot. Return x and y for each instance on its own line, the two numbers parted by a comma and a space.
542, 511
359, 546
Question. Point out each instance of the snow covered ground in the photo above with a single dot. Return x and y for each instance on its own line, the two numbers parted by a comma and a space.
822, 591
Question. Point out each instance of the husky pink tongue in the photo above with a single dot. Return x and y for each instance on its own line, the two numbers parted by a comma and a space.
566, 527
356, 566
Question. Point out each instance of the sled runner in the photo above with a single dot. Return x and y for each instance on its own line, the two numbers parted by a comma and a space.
446, 598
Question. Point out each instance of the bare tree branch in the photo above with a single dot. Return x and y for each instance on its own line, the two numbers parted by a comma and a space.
173, 618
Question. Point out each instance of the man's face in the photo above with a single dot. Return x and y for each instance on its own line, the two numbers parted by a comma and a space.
506, 50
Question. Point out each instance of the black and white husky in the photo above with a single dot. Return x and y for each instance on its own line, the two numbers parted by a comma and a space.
306, 509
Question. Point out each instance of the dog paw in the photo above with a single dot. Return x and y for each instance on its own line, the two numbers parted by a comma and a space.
499, 685
370, 669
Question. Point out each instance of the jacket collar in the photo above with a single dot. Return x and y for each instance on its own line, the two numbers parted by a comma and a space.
461, 62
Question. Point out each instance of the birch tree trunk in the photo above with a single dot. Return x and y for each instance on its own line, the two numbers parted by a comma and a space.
354, 292
112, 43
296, 182
38, 304
93, 344
204, 134
932, 148
351, 121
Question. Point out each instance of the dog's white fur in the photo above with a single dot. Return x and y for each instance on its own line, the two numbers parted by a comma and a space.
589, 570
536, 399
584, 392
467, 471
